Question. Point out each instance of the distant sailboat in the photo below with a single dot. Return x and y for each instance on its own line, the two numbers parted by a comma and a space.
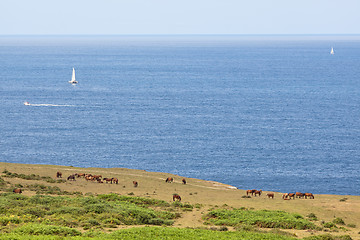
73, 81
332, 51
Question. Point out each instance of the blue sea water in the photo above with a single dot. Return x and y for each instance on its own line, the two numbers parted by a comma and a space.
272, 113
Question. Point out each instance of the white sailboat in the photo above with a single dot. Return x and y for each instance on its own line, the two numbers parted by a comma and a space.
73, 81
332, 51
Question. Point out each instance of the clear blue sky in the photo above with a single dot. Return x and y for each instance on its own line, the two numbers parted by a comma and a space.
179, 17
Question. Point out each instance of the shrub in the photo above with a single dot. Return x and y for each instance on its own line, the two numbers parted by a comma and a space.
41, 229
312, 216
262, 218
328, 237
329, 225
338, 221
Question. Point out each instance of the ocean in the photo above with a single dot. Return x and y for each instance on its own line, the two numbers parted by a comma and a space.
276, 113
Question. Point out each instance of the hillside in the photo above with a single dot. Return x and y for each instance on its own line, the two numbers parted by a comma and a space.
203, 203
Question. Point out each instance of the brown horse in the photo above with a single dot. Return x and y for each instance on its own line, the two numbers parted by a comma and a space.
310, 195
258, 192
96, 177
89, 178
135, 183
115, 180
292, 195
169, 180
17, 190
59, 175
252, 191
299, 195
71, 177
288, 196
270, 195
176, 197
79, 175
108, 180
184, 181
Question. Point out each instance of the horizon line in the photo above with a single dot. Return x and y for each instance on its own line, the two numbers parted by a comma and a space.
170, 35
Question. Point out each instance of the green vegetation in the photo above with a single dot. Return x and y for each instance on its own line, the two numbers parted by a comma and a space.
29, 177
339, 221
328, 237
103, 211
260, 218
37, 232
312, 217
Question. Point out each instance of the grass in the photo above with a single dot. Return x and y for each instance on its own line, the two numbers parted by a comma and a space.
260, 218
39, 231
103, 211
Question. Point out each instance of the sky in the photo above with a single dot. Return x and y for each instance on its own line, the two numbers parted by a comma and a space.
134, 17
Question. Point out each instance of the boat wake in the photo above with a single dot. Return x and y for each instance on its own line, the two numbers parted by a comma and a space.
48, 105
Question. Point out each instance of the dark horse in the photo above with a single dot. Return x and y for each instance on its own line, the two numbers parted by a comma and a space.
252, 191
115, 180
58, 174
184, 181
176, 197
169, 180
71, 177
258, 192
135, 183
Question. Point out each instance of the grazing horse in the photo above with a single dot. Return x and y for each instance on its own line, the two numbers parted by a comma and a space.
288, 196
71, 177
299, 195
250, 192
59, 175
115, 180
89, 178
258, 192
79, 175
96, 177
17, 190
108, 180
184, 181
169, 180
292, 195
135, 183
270, 195
176, 197
310, 195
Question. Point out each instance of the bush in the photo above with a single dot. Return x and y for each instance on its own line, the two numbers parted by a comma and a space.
312, 216
329, 225
40, 229
338, 221
262, 218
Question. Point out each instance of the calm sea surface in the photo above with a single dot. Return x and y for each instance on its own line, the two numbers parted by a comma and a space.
276, 113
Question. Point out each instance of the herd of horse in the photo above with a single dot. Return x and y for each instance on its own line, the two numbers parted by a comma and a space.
176, 197
286, 196
93, 178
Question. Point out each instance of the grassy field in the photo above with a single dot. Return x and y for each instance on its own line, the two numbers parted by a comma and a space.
57, 208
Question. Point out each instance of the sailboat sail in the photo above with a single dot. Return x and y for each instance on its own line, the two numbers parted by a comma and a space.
73, 80
332, 51
73, 75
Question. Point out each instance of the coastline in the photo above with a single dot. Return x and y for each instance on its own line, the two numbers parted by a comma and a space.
207, 194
